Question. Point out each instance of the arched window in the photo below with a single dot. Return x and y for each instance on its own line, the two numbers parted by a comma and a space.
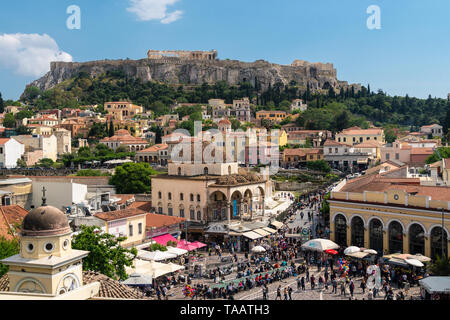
438, 236
416, 239
170, 195
159, 195
376, 235
340, 230
179, 171
229, 169
205, 171
357, 226
395, 237
199, 215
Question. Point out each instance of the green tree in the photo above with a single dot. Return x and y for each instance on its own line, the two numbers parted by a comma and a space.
45, 163
21, 163
319, 165
8, 248
2, 103
9, 121
441, 267
23, 114
23, 130
106, 255
132, 178
31, 93
111, 129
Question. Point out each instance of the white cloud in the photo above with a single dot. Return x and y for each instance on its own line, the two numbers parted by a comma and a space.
30, 54
147, 10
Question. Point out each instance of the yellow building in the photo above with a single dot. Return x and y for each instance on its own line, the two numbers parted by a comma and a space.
122, 110
391, 215
356, 135
128, 223
47, 267
275, 116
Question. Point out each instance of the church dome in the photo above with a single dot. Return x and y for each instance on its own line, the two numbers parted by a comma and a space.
45, 221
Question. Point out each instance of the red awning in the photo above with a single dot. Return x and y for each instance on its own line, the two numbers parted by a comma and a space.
164, 239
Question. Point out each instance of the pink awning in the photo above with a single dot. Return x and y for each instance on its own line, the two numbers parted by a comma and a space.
186, 245
198, 244
164, 239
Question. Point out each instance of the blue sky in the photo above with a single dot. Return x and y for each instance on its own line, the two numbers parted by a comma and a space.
408, 55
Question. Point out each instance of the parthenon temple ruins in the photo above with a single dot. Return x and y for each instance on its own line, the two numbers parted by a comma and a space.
181, 54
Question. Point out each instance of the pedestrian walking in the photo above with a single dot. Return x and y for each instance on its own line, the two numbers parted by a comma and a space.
278, 292
363, 285
351, 287
303, 283
334, 282
285, 291
290, 293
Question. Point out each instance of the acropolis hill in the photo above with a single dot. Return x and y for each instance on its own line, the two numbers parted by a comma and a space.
197, 67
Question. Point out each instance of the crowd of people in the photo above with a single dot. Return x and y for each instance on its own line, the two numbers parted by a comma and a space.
284, 258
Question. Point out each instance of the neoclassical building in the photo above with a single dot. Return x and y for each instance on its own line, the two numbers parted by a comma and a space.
124, 138
47, 267
391, 215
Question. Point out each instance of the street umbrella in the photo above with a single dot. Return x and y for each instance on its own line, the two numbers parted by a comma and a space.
331, 251
414, 262
420, 257
319, 245
138, 279
155, 255
371, 251
258, 249
351, 249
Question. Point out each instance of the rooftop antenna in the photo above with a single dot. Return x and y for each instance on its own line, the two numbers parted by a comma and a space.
44, 199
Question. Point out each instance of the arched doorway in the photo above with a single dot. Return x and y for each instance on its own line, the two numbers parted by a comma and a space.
395, 237
436, 236
340, 230
376, 235
357, 226
236, 202
217, 206
416, 239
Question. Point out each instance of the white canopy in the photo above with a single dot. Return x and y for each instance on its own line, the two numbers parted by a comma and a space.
258, 249
436, 284
138, 279
252, 235
370, 251
172, 267
262, 232
320, 245
270, 230
351, 249
155, 255
358, 255
152, 268
277, 224
414, 262
177, 251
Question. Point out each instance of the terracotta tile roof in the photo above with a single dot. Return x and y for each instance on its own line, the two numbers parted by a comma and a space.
368, 144
295, 152
330, 143
161, 220
124, 198
119, 214
109, 288
422, 151
359, 131
9, 216
155, 148
142, 205
4, 140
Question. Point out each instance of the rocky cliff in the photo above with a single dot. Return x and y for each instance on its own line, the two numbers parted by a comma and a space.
192, 72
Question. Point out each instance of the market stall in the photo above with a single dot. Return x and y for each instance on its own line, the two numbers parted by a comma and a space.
435, 288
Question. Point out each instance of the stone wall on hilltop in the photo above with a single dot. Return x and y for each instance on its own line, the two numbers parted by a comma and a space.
192, 72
